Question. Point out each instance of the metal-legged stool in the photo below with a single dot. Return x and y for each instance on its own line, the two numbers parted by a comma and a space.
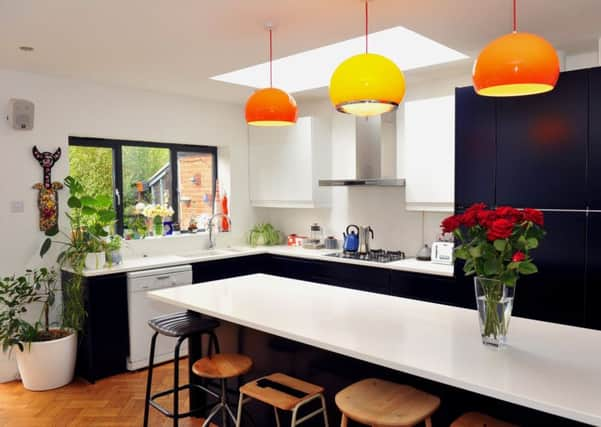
282, 400
221, 367
181, 326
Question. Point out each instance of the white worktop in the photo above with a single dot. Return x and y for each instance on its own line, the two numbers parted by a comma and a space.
160, 261
548, 367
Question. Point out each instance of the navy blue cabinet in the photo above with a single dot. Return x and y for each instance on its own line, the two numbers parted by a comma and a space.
370, 279
475, 148
593, 270
542, 147
440, 290
557, 292
104, 343
229, 267
594, 164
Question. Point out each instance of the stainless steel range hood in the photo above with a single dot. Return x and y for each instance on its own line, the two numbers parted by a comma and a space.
368, 158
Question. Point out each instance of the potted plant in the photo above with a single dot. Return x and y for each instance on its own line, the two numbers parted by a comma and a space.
89, 217
496, 246
264, 234
45, 356
95, 253
113, 250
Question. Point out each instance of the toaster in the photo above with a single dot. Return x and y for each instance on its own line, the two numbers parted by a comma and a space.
442, 252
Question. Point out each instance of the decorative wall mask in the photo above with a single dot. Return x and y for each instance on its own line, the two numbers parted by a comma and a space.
48, 194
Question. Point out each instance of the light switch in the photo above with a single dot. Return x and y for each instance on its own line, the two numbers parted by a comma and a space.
17, 206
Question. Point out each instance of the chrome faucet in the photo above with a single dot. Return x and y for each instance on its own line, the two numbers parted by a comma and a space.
211, 239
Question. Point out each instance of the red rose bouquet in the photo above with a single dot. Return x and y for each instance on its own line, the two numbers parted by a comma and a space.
496, 246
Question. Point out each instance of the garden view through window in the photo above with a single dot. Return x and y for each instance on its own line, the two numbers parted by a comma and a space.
154, 186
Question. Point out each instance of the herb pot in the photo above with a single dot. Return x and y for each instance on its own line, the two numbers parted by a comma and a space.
95, 260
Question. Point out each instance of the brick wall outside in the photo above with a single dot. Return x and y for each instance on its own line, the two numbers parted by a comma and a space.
195, 185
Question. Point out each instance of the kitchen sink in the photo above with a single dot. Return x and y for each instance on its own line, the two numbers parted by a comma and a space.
204, 253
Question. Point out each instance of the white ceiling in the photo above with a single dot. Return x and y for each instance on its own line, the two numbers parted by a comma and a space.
174, 46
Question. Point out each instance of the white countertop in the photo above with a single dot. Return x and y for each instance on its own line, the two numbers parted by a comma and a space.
549, 367
160, 261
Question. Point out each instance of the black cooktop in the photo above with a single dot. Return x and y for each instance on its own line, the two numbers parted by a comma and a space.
374, 255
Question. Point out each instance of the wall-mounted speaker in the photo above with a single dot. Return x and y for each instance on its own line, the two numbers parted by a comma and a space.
20, 114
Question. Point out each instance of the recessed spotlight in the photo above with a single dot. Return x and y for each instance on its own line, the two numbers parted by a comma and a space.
26, 48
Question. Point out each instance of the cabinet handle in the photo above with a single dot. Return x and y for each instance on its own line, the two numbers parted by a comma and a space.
163, 277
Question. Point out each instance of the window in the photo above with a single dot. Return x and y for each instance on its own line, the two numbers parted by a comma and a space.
139, 174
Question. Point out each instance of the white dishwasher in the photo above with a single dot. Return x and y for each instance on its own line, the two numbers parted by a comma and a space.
141, 309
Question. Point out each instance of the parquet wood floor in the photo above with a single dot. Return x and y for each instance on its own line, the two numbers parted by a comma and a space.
114, 401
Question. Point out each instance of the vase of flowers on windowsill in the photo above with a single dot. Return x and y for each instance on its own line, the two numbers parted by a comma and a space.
155, 215
496, 246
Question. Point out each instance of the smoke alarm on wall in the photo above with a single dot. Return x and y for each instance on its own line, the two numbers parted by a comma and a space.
20, 114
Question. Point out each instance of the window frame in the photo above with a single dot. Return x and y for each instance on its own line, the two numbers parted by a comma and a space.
117, 148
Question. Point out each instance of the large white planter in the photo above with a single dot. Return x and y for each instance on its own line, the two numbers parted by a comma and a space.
48, 364
95, 260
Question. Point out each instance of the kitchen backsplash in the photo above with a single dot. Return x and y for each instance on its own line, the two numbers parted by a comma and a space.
381, 207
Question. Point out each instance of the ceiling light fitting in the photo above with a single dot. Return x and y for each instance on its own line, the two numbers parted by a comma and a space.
271, 106
367, 84
516, 64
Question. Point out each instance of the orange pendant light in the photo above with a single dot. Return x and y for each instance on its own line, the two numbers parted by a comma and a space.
271, 106
516, 64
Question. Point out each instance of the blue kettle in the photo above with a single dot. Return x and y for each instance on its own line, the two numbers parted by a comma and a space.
351, 238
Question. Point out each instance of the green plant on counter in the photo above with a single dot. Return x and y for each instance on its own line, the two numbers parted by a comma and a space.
89, 220
264, 234
16, 295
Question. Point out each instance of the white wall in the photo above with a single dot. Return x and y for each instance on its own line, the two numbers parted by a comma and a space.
581, 60
381, 207
67, 107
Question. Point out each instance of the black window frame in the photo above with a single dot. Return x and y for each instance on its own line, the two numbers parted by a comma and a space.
117, 149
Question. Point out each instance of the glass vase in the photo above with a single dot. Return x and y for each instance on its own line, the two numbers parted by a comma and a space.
495, 303
158, 228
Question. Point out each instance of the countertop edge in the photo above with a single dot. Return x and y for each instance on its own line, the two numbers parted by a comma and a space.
279, 251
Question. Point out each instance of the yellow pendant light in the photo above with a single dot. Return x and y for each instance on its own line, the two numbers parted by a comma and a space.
367, 84
516, 64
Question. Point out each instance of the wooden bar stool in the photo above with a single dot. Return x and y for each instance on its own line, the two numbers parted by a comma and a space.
221, 367
303, 392
476, 419
385, 404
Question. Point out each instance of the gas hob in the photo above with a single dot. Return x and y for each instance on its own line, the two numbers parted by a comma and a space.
374, 255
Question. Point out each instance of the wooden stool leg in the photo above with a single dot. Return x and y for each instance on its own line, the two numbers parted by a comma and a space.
344, 421
428, 422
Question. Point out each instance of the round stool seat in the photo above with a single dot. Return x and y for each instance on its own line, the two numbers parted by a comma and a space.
476, 419
222, 365
182, 324
377, 402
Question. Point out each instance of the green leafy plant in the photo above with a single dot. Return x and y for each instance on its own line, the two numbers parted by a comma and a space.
264, 234
90, 218
16, 295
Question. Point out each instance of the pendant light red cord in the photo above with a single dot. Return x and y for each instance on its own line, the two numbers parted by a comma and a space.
366, 24
515, 17
270, 57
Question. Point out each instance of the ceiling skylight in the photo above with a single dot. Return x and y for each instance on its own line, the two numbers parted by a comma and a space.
312, 69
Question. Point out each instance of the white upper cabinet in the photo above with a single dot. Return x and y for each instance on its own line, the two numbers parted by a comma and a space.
285, 164
429, 154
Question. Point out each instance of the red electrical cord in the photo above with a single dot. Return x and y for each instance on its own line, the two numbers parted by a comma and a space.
366, 24
515, 17
270, 58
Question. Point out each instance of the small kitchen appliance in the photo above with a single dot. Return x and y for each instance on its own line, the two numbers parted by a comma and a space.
442, 252
351, 238
365, 233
